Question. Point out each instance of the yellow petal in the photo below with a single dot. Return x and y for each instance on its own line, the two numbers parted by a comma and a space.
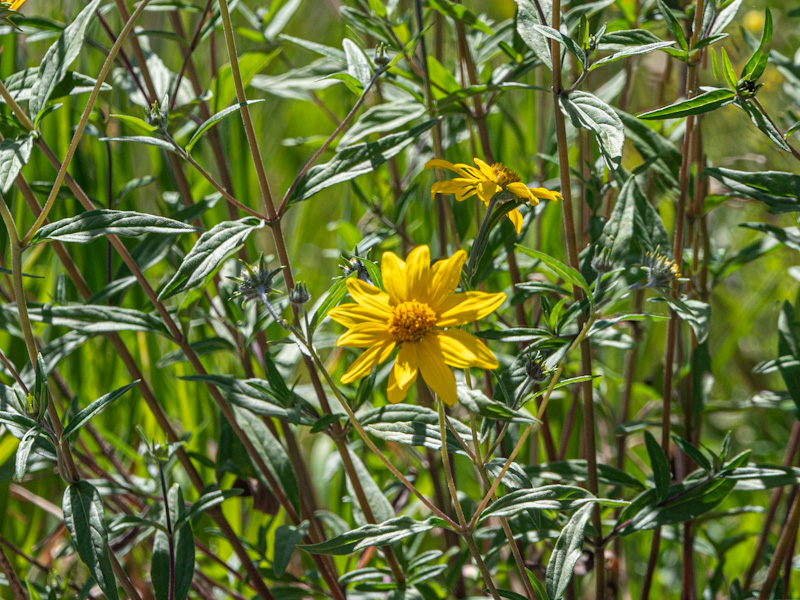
487, 190
406, 364
17, 4
463, 350
435, 372
418, 272
351, 315
462, 188
395, 393
516, 218
368, 360
458, 309
445, 275
544, 194
393, 269
365, 335
486, 170
520, 190
461, 169
369, 296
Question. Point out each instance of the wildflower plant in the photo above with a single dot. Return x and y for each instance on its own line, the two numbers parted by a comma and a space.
554, 366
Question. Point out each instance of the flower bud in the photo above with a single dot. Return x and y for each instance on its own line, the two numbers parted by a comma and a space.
299, 294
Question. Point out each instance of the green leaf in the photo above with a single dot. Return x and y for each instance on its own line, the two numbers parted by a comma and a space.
578, 470
202, 504
459, 13
728, 72
527, 20
724, 18
14, 154
705, 102
348, 163
634, 224
331, 299
476, 402
94, 409
382, 534
214, 120
758, 61
183, 543
24, 452
20, 85
658, 460
83, 516
286, 540
789, 345
567, 551
271, 452
779, 190
763, 123
644, 49
695, 454
697, 314
566, 273
358, 66
59, 56
628, 37
143, 139
673, 25
96, 318
762, 477
250, 64
571, 45
381, 508
589, 112
548, 497
208, 254
94, 224
389, 116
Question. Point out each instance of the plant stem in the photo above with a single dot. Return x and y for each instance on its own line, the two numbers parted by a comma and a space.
170, 537
481, 238
788, 536
12, 578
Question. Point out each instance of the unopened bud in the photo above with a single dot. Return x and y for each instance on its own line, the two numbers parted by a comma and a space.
299, 294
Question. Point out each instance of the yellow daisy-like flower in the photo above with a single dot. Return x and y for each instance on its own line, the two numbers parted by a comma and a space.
418, 312
486, 181
17, 4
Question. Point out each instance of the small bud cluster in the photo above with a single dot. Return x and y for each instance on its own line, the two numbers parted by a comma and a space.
257, 282
355, 265
661, 270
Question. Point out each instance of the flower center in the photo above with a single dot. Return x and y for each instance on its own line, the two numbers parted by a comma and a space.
504, 174
411, 320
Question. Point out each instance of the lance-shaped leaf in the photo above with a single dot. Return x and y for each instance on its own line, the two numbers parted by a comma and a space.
20, 85
83, 516
658, 460
644, 49
777, 189
94, 224
459, 13
96, 318
286, 540
358, 66
14, 154
567, 551
207, 255
548, 497
59, 56
789, 345
94, 409
381, 534
348, 163
214, 120
24, 452
527, 19
758, 61
589, 112
705, 102
183, 548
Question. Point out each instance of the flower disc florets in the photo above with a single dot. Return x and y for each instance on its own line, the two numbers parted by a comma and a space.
410, 321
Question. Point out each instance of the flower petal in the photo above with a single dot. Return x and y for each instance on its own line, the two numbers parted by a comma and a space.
406, 365
458, 309
520, 190
463, 350
461, 169
365, 335
351, 314
393, 269
516, 219
394, 392
435, 372
368, 360
369, 296
545, 194
460, 187
445, 275
488, 172
418, 273
487, 190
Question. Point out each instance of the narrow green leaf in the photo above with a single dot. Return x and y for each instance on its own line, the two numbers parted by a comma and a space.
728, 72
59, 57
567, 551
358, 66
208, 254
94, 224
673, 25
658, 460
645, 49
202, 504
705, 102
381, 534
286, 539
24, 452
94, 409
695, 454
95, 318
566, 272
789, 345
183, 544
214, 120
763, 123
527, 20
83, 516
755, 66
459, 13
143, 139
14, 154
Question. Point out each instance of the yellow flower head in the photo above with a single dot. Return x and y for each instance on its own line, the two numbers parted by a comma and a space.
17, 4
418, 312
486, 181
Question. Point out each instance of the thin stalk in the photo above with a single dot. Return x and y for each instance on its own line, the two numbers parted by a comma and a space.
572, 252
788, 536
19, 591
87, 113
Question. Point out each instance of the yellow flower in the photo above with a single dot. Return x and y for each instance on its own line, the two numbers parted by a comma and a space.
418, 312
17, 4
486, 181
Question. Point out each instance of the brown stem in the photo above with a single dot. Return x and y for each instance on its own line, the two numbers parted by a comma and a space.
19, 591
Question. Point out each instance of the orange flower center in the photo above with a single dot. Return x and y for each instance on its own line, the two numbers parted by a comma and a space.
504, 174
410, 321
